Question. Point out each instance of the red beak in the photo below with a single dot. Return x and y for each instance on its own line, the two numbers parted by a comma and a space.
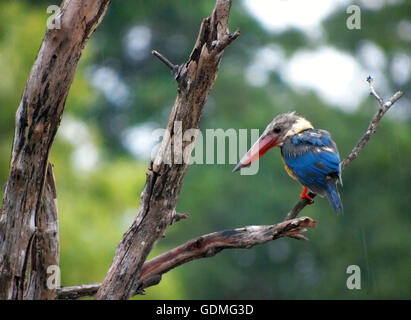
262, 145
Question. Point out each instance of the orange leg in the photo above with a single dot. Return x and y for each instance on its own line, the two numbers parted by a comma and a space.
304, 195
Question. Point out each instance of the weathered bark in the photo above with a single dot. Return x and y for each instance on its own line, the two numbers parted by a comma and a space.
22, 229
44, 248
159, 197
210, 244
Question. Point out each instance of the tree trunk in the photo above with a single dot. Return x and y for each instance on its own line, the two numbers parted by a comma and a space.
25, 240
44, 248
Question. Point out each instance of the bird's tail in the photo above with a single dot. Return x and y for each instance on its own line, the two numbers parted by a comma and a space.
334, 197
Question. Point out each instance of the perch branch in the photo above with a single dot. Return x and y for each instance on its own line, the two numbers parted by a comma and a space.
383, 108
202, 247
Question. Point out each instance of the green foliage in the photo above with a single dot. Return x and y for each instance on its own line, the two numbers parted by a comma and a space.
97, 206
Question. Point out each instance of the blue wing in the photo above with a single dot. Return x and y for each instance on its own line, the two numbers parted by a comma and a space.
313, 158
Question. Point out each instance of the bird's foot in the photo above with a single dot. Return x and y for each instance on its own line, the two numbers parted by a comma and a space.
304, 195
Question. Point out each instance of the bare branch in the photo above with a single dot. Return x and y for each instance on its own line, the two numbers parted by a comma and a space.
75, 292
203, 247
373, 92
179, 216
175, 218
384, 107
163, 59
173, 67
220, 45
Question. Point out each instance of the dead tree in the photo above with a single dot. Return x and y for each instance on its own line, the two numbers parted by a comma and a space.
28, 223
29, 245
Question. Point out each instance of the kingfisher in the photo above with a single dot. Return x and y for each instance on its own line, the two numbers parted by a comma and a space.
310, 156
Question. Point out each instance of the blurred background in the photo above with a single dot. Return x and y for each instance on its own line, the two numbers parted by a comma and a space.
291, 55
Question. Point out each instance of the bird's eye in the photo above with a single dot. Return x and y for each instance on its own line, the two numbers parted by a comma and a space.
277, 130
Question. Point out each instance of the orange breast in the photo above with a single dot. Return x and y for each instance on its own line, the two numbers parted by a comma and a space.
289, 171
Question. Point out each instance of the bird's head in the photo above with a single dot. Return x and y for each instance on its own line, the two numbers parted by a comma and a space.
282, 126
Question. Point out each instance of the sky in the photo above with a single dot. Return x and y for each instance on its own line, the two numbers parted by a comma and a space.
337, 77
277, 16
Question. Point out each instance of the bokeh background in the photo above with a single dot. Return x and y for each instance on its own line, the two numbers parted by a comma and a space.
291, 55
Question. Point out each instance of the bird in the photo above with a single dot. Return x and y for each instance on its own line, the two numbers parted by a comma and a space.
310, 156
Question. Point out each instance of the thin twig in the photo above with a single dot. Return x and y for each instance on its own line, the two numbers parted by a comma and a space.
373, 92
178, 216
163, 59
173, 67
382, 110
175, 218
384, 107
225, 41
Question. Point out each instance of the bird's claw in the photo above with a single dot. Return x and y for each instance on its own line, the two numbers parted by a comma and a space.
310, 200
304, 195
